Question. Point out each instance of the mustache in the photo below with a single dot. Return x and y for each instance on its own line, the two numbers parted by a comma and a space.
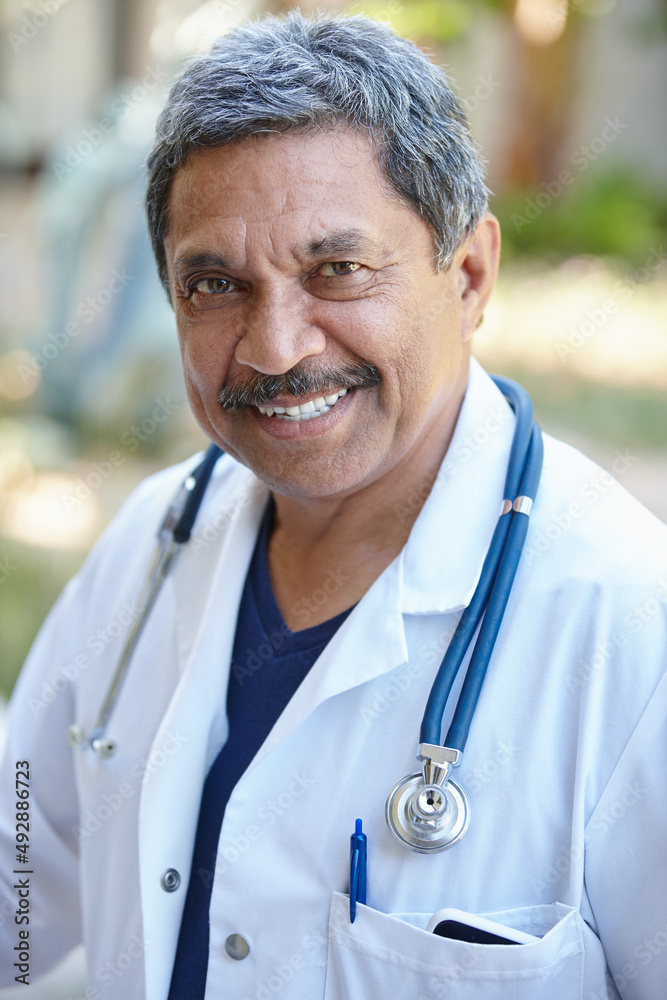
260, 389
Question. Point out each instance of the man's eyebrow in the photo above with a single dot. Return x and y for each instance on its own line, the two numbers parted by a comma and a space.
345, 241
336, 244
192, 262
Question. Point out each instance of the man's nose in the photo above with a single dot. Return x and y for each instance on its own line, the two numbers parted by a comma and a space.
278, 333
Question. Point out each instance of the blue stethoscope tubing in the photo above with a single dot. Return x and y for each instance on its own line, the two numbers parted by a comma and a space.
495, 583
200, 477
428, 811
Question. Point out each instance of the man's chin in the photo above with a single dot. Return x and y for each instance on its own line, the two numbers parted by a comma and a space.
310, 473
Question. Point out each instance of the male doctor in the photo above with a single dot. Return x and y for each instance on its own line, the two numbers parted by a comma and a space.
319, 219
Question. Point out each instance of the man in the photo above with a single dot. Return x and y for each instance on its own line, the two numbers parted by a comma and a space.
319, 219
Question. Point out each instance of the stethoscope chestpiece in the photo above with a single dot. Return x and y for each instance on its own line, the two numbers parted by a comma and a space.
427, 812
427, 818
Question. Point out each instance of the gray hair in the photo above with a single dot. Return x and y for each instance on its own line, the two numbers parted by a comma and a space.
298, 74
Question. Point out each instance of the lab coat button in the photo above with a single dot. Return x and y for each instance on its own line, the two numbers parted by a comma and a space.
170, 880
237, 947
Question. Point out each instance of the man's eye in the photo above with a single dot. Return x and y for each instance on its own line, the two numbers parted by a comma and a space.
337, 268
211, 286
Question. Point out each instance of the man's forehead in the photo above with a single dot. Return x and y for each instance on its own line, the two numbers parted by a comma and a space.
326, 188
315, 158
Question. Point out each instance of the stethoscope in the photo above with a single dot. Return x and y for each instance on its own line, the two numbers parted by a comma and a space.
174, 531
427, 811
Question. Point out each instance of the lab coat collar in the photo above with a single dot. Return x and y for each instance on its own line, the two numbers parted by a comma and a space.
469, 486
458, 518
471, 481
352, 657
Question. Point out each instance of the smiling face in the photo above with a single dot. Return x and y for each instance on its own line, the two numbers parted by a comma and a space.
291, 255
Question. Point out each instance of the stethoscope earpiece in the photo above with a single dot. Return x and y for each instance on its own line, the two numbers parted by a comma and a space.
102, 746
174, 531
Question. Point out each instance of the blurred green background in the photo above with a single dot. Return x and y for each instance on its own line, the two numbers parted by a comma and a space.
564, 98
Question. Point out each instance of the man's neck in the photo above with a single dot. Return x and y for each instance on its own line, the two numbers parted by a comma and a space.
325, 553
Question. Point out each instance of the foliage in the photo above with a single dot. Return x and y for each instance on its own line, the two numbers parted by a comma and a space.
438, 21
37, 576
633, 417
615, 214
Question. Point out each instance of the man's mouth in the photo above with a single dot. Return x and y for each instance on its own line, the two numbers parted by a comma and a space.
321, 387
304, 411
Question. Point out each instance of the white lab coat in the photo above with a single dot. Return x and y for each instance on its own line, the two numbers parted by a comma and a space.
564, 766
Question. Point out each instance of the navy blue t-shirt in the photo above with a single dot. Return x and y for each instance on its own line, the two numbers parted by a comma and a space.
268, 664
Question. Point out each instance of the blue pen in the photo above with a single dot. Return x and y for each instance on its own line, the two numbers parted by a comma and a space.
358, 859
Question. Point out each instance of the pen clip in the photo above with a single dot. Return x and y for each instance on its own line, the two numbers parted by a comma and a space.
354, 884
358, 858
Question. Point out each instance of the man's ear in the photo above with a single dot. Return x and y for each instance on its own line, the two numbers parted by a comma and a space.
477, 263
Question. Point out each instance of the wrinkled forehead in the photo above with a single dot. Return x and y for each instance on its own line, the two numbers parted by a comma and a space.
288, 190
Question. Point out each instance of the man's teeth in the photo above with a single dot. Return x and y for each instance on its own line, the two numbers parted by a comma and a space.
305, 411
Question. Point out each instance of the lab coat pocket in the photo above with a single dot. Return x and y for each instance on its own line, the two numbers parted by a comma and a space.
381, 956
